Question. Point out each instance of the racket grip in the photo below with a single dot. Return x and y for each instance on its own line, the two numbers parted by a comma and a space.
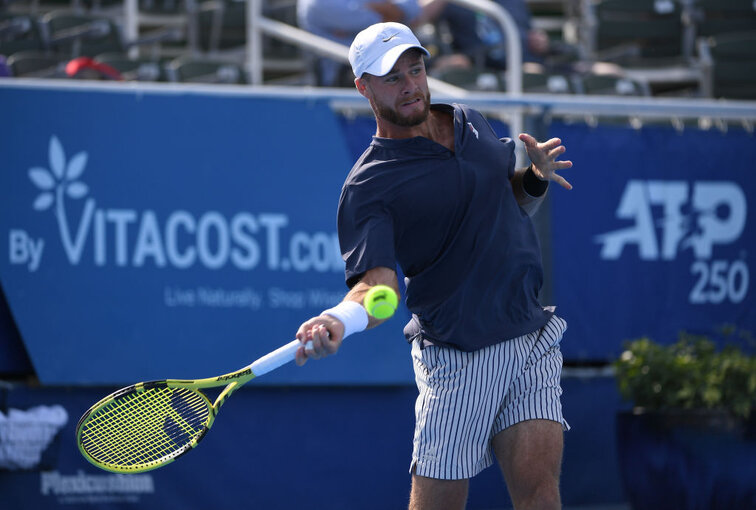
276, 358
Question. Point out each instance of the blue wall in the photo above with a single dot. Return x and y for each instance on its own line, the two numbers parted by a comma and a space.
316, 448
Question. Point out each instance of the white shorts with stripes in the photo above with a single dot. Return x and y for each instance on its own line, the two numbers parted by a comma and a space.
466, 398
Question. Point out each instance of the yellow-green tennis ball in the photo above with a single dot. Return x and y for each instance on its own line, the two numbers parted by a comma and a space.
381, 301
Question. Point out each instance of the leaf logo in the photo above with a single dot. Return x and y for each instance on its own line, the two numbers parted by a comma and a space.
61, 179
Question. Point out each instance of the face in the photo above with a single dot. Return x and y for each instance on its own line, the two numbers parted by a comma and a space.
401, 97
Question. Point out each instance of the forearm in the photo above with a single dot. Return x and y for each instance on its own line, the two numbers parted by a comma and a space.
373, 277
323, 334
529, 190
430, 11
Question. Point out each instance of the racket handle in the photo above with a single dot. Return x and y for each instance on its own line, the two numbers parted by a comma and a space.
276, 358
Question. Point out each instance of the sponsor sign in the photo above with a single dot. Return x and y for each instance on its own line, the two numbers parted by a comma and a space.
148, 235
655, 238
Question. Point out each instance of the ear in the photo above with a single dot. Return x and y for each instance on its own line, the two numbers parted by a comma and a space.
361, 86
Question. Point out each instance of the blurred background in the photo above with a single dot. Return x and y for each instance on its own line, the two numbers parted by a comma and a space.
169, 179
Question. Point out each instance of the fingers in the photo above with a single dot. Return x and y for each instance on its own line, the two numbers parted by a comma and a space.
561, 180
551, 144
528, 140
543, 154
316, 341
532, 143
300, 358
555, 152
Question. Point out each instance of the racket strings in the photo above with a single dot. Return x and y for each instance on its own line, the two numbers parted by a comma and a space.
142, 427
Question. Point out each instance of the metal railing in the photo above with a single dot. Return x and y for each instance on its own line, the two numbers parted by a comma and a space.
512, 105
491, 103
258, 24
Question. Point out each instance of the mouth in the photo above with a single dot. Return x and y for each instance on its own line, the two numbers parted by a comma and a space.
411, 102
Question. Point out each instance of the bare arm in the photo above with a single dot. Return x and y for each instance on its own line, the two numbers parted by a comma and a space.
431, 10
326, 332
387, 11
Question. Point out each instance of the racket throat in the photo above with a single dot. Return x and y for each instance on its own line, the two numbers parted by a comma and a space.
227, 391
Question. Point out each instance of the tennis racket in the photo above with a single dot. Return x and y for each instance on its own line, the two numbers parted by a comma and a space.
150, 424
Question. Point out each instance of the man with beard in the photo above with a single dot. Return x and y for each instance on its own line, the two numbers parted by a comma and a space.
436, 192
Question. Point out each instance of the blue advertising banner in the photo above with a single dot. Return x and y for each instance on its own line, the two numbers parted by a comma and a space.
656, 237
163, 232
168, 231
279, 448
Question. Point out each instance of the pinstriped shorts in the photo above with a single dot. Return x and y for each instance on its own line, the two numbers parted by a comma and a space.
466, 398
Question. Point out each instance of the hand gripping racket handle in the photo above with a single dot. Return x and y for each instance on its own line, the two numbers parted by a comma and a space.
276, 358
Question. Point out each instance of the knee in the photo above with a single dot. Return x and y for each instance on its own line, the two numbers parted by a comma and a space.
542, 496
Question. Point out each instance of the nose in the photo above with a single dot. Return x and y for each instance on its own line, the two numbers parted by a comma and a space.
409, 85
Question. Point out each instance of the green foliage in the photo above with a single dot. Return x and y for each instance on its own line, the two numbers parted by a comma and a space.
689, 374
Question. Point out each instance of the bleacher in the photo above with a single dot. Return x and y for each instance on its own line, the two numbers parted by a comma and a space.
175, 41
688, 48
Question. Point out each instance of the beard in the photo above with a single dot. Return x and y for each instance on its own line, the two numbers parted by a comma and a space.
392, 115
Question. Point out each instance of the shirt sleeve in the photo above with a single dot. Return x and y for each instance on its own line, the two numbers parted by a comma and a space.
366, 233
511, 162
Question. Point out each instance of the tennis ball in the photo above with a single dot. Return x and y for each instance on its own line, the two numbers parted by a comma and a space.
381, 301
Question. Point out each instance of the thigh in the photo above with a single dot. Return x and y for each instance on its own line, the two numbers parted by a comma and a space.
530, 456
432, 494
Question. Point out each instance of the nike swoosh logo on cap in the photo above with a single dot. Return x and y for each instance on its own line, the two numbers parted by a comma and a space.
390, 37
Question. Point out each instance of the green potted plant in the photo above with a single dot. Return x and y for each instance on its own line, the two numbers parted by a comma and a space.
689, 441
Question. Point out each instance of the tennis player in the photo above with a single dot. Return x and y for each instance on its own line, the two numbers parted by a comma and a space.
437, 192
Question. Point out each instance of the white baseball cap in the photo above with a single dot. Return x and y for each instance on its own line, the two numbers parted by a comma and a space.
376, 49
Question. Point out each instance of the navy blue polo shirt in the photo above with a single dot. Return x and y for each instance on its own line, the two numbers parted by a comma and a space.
450, 220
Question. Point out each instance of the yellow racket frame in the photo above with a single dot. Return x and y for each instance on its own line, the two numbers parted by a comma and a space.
92, 439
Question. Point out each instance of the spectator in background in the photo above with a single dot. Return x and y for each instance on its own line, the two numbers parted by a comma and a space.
481, 39
341, 20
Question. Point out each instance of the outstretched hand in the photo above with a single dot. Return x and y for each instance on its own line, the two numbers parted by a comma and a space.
543, 156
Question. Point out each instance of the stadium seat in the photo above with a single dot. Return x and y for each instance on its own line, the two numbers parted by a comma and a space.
633, 30
610, 85
471, 78
134, 69
196, 70
715, 17
730, 64
177, 14
223, 32
19, 32
222, 25
646, 37
535, 79
36, 64
73, 34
